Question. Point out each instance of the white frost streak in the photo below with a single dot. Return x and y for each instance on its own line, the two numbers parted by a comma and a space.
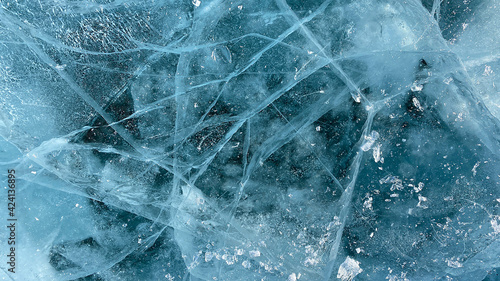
349, 269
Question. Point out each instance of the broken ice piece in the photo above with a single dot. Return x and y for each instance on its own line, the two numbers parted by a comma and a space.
349, 269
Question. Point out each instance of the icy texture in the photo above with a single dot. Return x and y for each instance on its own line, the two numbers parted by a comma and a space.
253, 140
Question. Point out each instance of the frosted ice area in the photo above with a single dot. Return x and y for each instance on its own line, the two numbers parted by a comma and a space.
252, 140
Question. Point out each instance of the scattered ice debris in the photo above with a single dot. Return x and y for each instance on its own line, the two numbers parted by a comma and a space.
397, 184
246, 264
495, 224
377, 153
349, 269
421, 202
417, 104
454, 263
418, 187
254, 253
368, 204
416, 87
474, 171
369, 140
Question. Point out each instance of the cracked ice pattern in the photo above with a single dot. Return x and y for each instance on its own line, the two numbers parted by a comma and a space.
253, 140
